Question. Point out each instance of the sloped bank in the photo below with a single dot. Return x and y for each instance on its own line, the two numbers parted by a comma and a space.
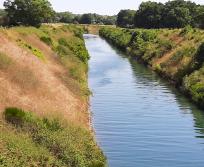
177, 55
44, 119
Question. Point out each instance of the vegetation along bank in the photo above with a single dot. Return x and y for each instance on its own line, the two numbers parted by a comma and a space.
176, 54
44, 119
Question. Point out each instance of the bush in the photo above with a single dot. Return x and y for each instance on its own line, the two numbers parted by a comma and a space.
199, 57
14, 115
119, 37
47, 40
194, 86
186, 30
77, 46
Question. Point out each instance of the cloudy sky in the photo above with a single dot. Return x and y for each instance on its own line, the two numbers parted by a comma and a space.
108, 7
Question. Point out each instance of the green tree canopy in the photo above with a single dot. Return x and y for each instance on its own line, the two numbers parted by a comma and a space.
86, 19
65, 17
178, 14
149, 15
28, 12
125, 18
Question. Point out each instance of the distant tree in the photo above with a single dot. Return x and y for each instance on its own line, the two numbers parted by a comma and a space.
86, 19
178, 18
172, 14
109, 20
199, 17
125, 18
2, 12
149, 15
3, 17
65, 17
28, 12
177, 14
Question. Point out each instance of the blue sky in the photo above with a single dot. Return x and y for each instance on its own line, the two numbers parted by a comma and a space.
108, 7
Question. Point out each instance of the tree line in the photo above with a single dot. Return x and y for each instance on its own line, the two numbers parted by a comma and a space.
35, 12
172, 14
88, 18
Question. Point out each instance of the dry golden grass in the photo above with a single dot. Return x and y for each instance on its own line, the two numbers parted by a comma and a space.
33, 85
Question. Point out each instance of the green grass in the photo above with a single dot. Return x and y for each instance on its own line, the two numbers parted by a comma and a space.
30, 140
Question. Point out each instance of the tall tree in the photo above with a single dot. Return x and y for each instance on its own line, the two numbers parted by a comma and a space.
86, 19
177, 14
149, 15
125, 18
65, 17
28, 12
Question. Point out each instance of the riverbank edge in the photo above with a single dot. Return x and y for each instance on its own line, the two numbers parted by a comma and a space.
173, 82
83, 99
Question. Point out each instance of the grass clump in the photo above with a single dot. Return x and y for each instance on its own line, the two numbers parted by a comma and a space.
15, 115
34, 50
70, 145
47, 40
5, 61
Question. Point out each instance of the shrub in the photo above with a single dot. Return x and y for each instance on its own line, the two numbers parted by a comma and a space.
14, 115
47, 40
77, 46
194, 86
186, 30
199, 57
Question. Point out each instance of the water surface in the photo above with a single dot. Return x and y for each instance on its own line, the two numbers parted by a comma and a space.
139, 119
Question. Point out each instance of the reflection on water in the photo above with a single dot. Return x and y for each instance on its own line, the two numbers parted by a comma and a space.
139, 119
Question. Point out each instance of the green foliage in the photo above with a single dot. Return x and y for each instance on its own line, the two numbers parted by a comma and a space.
119, 37
86, 18
149, 15
65, 17
186, 30
15, 115
90, 18
172, 14
172, 53
47, 40
125, 18
76, 46
70, 145
194, 86
28, 12
200, 55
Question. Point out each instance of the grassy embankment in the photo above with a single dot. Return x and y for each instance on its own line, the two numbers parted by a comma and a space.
44, 73
175, 54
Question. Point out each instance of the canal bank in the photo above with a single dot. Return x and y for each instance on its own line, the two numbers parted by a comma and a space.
139, 119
